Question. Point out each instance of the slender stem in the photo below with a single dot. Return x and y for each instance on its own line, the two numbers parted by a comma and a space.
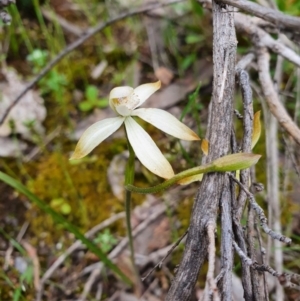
185, 174
129, 179
128, 224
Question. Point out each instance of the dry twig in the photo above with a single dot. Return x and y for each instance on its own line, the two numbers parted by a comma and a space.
247, 137
244, 62
284, 279
274, 104
261, 215
218, 134
11, 247
77, 244
261, 38
160, 209
278, 18
211, 287
159, 264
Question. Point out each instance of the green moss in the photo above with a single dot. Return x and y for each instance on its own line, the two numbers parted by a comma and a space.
83, 186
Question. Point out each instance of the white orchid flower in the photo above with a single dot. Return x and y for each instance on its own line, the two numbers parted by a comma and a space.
124, 101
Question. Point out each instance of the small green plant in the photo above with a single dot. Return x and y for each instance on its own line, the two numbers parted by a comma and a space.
61, 205
106, 240
38, 58
53, 82
24, 270
26, 278
91, 100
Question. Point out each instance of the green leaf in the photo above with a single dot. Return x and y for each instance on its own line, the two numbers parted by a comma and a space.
194, 39
85, 106
102, 103
66, 224
56, 202
197, 7
192, 99
235, 162
188, 61
227, 163
91, 93
65, 209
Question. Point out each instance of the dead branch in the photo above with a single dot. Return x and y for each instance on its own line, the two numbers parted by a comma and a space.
274, 104
284, 279
243, 79
263, 260
211, 289
7, 258
76, 245
261, 38
91, 280
255, 275
278, 18
247, 137
273, 198
159, 210
159, 264
261, 215
218, 134
244, 62
225, 286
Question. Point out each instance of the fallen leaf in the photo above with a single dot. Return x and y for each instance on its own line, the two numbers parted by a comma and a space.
115, 174
205, 146
27, 115
164, 75
256, 129
11, 147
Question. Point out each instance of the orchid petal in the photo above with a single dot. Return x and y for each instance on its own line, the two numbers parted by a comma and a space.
146, 150
95, 134
117, 94
123, 110
143, 92
167, 123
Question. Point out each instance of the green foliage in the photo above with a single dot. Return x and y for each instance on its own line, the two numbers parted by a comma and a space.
91, 100
196, 8
53, 82
192, 107
26, 279
105, 240
291, 7
23, 278
19, 36
38, 58
194, 38
188, 61
61, 205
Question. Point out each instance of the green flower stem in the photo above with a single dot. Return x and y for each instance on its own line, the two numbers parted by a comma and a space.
231, 162
182, 175
129, 178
